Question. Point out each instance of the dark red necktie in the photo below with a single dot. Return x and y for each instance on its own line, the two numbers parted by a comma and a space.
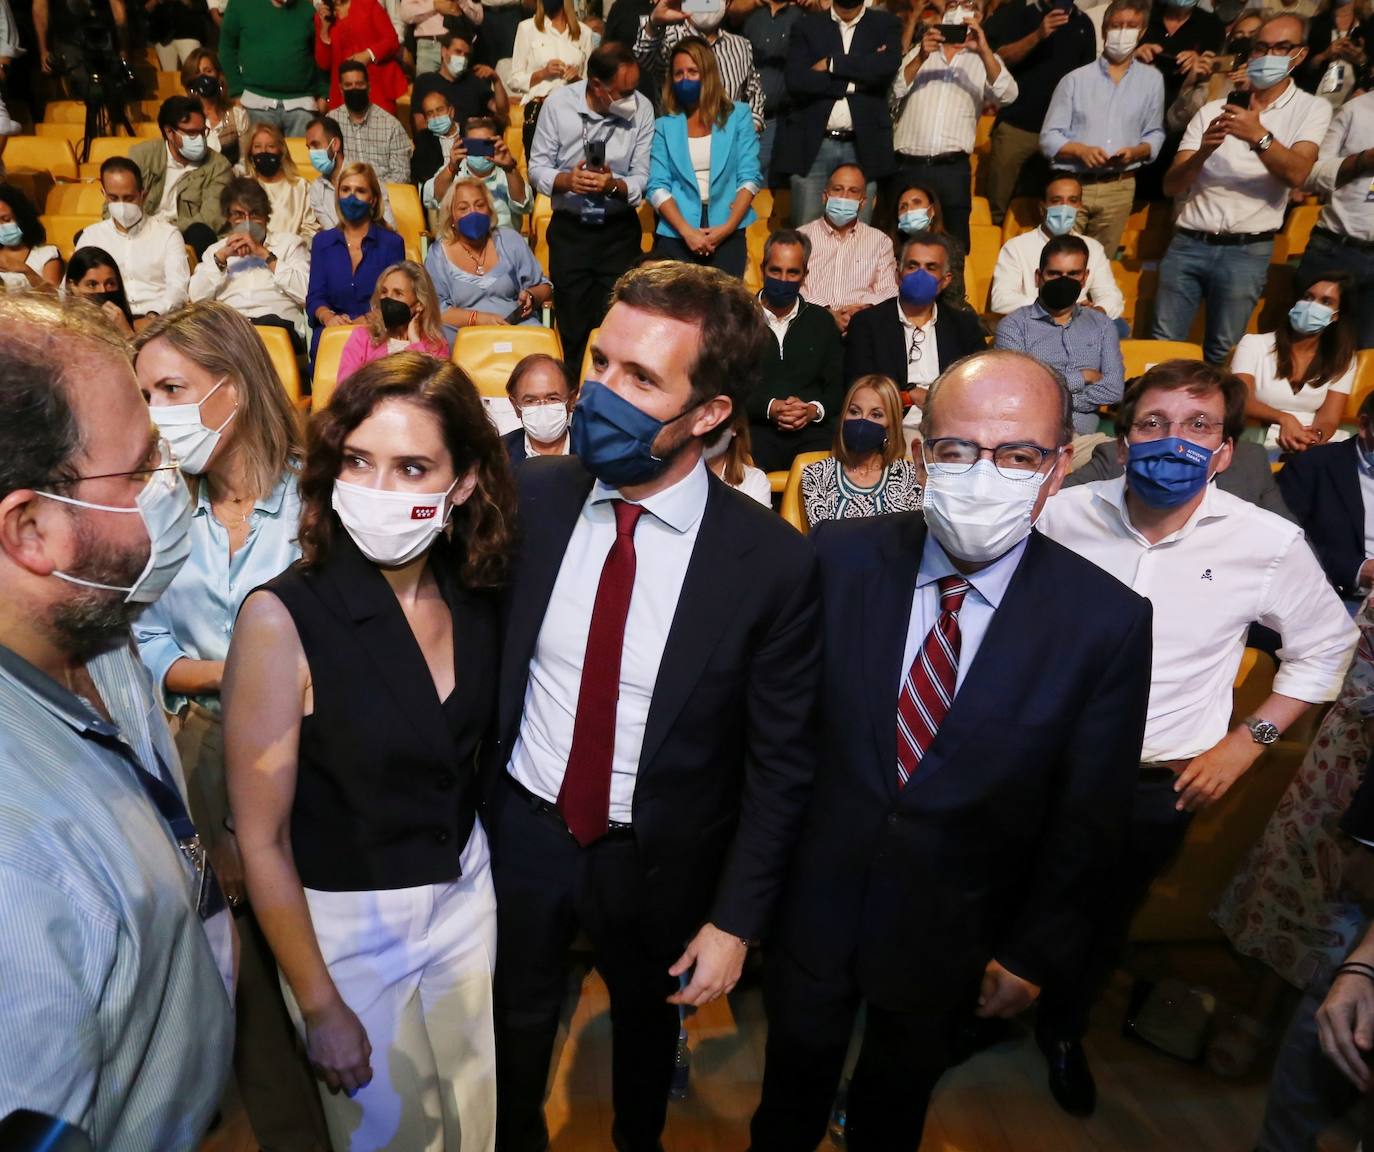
585, 798
928, 690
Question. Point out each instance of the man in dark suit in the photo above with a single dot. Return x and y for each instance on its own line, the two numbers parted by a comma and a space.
655, 748
541, 391
1330, 489
840, 65
910, 339
976, 766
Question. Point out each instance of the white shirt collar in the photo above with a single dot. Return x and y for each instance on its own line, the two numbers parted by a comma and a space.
906, 321
679, 507
172, 161
530, 449
1112, 493
835, 16
786, 318
990, 583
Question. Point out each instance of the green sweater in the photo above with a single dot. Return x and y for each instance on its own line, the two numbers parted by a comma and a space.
270, 50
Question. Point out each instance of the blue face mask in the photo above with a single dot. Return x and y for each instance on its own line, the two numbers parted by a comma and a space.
1060, 219
614, 439
481, 165
1169, 472
841, 211
918, 288
863, 437
1306, 316
321, 161
440, 125
11, 235
687, 92
917, 220
474, 226
1267, 71
781, 293
354, 210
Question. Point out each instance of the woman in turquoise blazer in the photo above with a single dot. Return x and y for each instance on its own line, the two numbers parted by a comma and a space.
704, 167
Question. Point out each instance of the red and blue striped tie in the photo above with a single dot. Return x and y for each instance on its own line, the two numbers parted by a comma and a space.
928, 689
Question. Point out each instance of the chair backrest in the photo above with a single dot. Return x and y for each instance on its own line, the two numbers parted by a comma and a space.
48, 154
327, 354
282, 352
73, 133
65, 112
539, 230
299, 151
62, 231
792, 510
1139, 355
102, 148
410, 217
1023, 215
81, 199
586, 368
1364, 384
488, 352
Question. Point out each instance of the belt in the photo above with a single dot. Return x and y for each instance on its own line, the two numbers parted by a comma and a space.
942, 158
1228, 239
1094, 177
614, 831
839, 134
1347, 241
1161, 769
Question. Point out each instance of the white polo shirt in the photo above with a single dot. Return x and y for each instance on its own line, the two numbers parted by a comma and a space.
1231, 564
1351, 210
1235, 192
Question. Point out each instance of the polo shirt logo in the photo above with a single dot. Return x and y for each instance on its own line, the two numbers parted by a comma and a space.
1206, 573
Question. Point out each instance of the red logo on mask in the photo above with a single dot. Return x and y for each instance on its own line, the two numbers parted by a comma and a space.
422, 512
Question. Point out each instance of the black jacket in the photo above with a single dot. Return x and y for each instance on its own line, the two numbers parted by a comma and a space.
1322, 487
877, 341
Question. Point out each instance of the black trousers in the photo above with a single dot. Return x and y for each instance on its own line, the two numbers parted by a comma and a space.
952, 183
1153, 838
773, 449
547, 888
585, 261
497, 39
729, 258
901, 1059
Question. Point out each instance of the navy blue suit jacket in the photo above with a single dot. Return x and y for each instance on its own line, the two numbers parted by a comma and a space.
515, 445
998, 849
1322, 489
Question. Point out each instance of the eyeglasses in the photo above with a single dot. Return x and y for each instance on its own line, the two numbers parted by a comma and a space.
1282, 48
166, 462
913, 354
1153, 428
1018, 461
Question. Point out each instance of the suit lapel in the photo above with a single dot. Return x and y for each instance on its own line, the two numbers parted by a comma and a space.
1347, 481
887, 598
943, 335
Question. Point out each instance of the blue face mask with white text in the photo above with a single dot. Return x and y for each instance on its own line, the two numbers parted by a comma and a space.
1169, 472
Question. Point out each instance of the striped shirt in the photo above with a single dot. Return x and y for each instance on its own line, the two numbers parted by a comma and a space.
847, 268
734, 58
940, 106
113, 1011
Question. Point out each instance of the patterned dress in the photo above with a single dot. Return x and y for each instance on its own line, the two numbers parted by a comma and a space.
828, 494
1285, 905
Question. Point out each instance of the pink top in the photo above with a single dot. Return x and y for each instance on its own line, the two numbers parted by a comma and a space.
360, 350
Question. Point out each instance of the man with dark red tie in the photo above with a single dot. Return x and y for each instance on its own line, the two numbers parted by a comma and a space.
655, 747
979, 751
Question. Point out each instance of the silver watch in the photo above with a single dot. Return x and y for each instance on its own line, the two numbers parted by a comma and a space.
1264, 143
1261, 731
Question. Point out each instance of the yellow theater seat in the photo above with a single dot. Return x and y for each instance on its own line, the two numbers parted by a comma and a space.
277, 341
72, 133
102, 148
410, 217
51, 155
327, 354
81, 199
587, 357
1364, 385
1139, 355
1023, 215
65, 112
488, 352
62, 231
792, 510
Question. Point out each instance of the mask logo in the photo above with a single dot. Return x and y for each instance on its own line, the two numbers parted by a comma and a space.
422, 512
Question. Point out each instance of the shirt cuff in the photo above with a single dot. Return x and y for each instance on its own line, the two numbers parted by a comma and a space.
768, 412
820, 410
658, 197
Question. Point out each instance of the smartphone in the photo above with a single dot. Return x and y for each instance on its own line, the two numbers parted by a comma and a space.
1225, 63
1238, 99
516, 316
596, 153
953, 33
1240, 47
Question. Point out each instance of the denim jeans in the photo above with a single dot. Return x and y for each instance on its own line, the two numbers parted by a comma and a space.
291, 121
1325, 255
807, 190
767, 138
1229, 278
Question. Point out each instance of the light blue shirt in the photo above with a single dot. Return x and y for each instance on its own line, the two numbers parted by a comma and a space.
113, 1006
988, 586
566, 123
496, 290
194, 618
1088, 107
664, 539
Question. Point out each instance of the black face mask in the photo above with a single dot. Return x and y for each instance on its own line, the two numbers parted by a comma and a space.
553, 7
99, 298
1060, 293
356, 100
207, 87
266, 163
395, 313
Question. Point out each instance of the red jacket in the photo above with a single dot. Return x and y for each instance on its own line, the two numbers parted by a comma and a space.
366, 27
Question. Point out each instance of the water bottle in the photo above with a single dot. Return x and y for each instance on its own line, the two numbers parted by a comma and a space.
682, 1066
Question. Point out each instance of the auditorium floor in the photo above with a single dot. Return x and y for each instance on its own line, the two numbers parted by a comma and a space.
996, 1102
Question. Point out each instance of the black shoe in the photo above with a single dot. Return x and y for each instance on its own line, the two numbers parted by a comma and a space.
1071, 1080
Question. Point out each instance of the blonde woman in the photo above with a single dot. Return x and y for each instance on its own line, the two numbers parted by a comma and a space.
704, 165
347, 260
404, 318
551, 50
483, 274
867, 475
268, 161
213, 393
727, 454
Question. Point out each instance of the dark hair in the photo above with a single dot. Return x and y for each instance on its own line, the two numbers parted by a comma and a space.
1336, 344
1197, 379
1002, 354
328, 124
25, 215
353, 66
730, 320
483, 526
535, 360
937, 213
1058, 175
84, 260
248, 192
458, 28
480, 122
847, 164
787, 236
1066, 245
190, 68
929, 240
175, 109
122, 164
606, 61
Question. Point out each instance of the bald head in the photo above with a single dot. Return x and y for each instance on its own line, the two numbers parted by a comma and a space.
1025, 400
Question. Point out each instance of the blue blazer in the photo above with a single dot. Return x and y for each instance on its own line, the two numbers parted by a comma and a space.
734, 163
1322, 488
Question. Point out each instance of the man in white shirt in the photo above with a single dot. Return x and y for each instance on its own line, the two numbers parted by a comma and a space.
1232, 175
941, 89
1212, 564
852, 265
1013, 278
151, 253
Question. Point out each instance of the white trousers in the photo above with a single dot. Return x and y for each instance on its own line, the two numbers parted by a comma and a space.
415, 965
172, 55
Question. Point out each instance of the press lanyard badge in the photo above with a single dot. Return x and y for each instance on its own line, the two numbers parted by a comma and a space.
209, 897
593, 209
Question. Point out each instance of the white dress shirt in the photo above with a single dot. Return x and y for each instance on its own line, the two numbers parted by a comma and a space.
945, 99
250, 287
1235, 192
535, 49
167, 208
565, 450
152, 259
1230, 565
987, 587
1351, 209
841, 119
664, 539
1013, 277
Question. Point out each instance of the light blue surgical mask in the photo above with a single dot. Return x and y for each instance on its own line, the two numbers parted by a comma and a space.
321, 161
480, 165
1306, 316
440, 125
1060, 219
194, 148
11, 235
840, 210
1267, 71
916, 220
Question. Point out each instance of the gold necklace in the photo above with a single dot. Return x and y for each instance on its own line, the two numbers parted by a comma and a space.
478, 260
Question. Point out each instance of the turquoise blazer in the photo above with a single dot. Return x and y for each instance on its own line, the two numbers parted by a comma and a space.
734, 164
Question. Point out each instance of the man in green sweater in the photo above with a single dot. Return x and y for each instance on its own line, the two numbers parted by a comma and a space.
267, 50
796, 405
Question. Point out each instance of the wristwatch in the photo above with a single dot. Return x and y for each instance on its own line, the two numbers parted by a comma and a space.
1261, 731
1263, 144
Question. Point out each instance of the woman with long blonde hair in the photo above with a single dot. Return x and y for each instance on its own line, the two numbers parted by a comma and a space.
404, 318
214, 395
268, 161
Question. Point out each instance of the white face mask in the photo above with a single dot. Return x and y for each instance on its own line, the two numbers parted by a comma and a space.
544, 422
720, 447
708, 22
391, 528
978, 515
192, 442
125, 214
956, 16
165, 506
1121, 42
624, 107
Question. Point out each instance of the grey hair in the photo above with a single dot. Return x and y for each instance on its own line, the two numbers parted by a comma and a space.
929, 240
1269, 15
787, 236
1065, 397
1140, 7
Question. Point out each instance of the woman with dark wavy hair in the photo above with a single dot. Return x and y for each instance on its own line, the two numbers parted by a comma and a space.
358, 688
